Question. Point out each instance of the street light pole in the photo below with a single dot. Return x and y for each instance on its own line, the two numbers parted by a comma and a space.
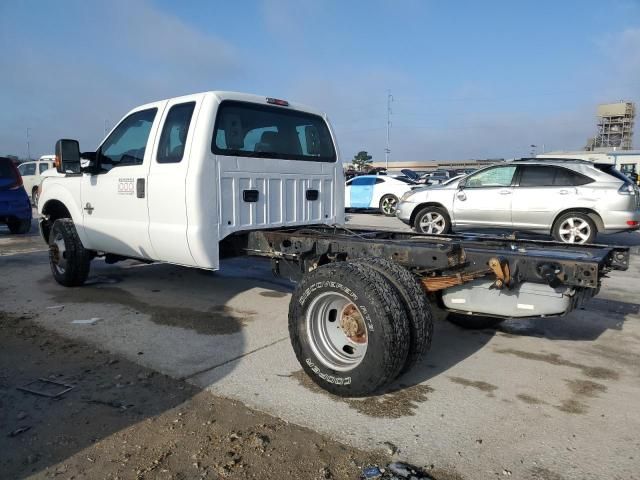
28, 145
387, 150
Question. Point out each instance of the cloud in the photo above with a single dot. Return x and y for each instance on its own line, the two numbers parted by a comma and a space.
67, 76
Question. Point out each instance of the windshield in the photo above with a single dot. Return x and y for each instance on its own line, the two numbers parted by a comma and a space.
252, 130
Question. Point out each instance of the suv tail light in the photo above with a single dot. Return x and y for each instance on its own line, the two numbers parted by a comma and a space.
18, 178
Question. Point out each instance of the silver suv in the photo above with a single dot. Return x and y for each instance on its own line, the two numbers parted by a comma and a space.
572, 200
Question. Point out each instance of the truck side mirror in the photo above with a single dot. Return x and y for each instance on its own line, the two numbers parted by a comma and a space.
67, 156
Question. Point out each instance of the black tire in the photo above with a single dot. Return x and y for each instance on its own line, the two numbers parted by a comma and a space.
70, 267
416, 306
34, 196
587, 234
441, 227
19, 227
389, 205
384, 323
474, 322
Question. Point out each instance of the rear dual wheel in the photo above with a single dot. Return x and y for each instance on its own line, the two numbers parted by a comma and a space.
350, 327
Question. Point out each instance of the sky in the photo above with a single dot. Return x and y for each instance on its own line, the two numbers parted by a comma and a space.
468, 79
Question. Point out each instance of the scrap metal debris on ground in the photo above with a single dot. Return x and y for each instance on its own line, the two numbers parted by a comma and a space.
394, 471
46, 388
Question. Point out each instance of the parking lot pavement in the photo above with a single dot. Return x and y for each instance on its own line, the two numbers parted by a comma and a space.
547, 398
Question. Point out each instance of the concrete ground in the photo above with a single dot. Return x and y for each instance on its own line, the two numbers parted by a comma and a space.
547, 399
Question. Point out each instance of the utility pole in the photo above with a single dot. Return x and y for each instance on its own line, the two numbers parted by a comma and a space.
387, 150
28, 144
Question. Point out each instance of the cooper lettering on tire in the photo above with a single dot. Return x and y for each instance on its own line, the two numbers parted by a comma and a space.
348, 328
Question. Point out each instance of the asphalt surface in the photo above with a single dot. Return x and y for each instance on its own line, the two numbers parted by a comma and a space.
548, 399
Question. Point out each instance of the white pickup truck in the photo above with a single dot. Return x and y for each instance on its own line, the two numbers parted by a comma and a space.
193, 179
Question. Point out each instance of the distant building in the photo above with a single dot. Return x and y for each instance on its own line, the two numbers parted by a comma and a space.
615, 127
431, 165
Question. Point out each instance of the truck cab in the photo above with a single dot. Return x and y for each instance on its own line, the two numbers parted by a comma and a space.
175, 177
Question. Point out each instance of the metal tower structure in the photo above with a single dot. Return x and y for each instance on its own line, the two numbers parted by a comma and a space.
615, 126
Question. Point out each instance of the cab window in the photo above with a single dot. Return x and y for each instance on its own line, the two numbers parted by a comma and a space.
251, 130
492, 177
174, 133
127, 143
43, 166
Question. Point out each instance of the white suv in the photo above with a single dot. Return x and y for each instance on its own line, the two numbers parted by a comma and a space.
572, 200
32, 175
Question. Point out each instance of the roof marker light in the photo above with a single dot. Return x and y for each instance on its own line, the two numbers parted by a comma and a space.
277, 101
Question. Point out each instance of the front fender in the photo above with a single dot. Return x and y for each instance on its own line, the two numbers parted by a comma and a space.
55, 193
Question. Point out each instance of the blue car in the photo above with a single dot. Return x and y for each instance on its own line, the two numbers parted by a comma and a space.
15, 207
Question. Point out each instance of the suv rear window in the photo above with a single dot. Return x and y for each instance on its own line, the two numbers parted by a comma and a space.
6, 169
613, 171
251, 130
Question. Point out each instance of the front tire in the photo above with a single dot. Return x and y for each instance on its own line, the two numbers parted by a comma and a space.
348, 329
389, 205
69, 260
432, 220
574, 227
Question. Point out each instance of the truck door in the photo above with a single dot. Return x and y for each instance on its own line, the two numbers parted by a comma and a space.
166, 186
485, 199
114, 198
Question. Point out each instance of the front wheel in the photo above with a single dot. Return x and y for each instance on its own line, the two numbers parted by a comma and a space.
574, 227
388, 205
348, 329
68, 258
432, 220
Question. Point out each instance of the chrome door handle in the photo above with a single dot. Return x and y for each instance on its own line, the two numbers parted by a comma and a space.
564, 192
505, 192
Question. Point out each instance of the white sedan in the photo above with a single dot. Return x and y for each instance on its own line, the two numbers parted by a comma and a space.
376, 191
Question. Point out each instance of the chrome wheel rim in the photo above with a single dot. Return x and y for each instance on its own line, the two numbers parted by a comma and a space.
336, 331
389, 205
432, 222
58, 254
574, 230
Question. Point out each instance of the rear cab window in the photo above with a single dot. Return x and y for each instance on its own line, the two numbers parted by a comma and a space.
251, 130
43, 166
